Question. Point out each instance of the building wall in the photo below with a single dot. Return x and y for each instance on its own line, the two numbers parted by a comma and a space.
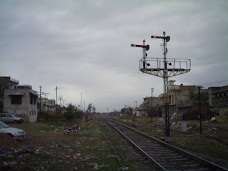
6, 83
218, 99
46, 104
147, 103
180, 98
25, 109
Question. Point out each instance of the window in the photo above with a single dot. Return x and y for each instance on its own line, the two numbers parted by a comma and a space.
3, 115
32, 99
16, 99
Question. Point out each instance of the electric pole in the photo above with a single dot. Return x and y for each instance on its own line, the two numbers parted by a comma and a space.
40, 97
63, 102
136, 107
152, 90
60, 101
200, 116
84, 105
81, 102
46, 95
56, 103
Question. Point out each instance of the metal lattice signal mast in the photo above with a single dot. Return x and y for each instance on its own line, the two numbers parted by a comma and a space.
163, 67
172, 66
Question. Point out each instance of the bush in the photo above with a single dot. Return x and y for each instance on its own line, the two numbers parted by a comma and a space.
152, 112
43, 115
71, 112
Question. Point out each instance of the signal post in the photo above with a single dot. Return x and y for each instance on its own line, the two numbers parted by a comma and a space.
164, 68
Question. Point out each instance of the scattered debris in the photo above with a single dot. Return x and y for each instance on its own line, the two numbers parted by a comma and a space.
94, 165
213, 119
122, 168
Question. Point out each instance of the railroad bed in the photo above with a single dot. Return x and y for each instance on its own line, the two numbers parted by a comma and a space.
163, 155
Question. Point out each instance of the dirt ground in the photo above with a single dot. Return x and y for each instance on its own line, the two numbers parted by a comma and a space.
45, 147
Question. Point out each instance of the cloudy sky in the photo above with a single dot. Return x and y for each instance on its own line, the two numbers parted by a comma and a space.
83, 46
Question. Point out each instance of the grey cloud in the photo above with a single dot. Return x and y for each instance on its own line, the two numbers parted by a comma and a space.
84, 46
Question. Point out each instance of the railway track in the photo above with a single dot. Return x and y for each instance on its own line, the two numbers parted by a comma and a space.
164, 156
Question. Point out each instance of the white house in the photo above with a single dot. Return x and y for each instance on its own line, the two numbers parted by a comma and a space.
22, 101
46, 104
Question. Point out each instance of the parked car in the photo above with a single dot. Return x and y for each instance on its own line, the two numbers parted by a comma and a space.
16, 133
10, 117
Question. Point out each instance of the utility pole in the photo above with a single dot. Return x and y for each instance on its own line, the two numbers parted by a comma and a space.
81, 102
46, 95
84, 105
60, 100
136, 107
200, 116
40, 97
56, 103
152, 90
136, 104
63, 102
151, 114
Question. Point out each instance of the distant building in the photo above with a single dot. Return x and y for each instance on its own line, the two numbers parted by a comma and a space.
218, 99
127, 111
180, 98
149, 102
46, 104
21, 100
136, 111
6, 83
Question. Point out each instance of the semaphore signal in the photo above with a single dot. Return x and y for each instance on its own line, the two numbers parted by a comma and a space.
167, 38
164, 68
146, 47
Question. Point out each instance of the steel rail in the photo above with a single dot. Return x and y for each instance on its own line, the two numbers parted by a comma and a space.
209, 164
138, 148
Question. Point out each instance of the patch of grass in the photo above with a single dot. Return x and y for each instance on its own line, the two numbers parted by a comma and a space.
222, 120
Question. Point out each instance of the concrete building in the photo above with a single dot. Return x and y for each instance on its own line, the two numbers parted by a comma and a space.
149, 102
46, 104
180, 98
21, 100
136, 111
6, 83
218, 99
127, 111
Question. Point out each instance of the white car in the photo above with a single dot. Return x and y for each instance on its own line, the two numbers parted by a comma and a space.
14, 132
10, 117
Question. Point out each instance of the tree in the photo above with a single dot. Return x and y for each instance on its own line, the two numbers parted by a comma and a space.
88, 111
152, 112
70, 112
93, 109
89, 107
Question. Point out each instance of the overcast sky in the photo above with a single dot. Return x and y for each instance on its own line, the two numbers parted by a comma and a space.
83, 46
